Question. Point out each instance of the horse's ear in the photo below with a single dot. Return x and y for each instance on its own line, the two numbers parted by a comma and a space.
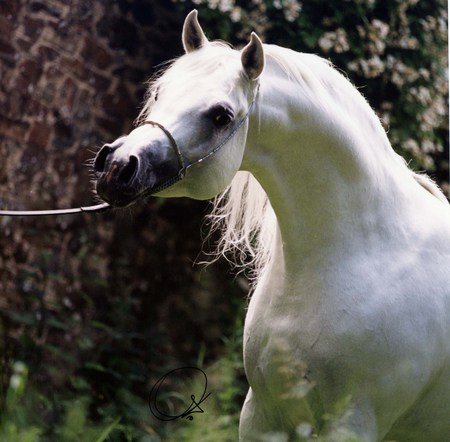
252, 58
193, 36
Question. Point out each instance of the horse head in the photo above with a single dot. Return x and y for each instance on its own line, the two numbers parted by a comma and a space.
193, 128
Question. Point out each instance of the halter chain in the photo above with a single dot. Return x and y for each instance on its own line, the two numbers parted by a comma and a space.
184, 167
178, 177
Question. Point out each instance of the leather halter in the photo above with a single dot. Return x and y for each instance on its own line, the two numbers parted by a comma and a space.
183, 166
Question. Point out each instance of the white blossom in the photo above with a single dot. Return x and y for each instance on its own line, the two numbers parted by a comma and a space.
337, 41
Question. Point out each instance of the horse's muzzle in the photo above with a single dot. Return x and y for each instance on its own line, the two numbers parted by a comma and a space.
122, 180
116, 178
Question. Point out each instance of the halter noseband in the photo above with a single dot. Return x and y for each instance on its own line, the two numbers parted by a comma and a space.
178, 177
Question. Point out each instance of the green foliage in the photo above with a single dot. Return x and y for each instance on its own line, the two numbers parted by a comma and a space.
14, 424
25, 416
220, 419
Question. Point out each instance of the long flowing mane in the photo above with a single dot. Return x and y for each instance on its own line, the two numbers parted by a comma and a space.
243, 213
247, 223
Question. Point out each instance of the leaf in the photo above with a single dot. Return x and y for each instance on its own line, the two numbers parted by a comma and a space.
107, 431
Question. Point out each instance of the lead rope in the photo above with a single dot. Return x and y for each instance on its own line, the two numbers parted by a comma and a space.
97, 208
180, 175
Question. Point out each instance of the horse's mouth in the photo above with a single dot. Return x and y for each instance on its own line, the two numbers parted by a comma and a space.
117, 197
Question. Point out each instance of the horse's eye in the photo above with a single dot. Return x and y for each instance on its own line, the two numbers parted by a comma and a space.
221, 116
222, 120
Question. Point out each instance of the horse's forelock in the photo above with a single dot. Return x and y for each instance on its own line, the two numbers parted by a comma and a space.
186, 70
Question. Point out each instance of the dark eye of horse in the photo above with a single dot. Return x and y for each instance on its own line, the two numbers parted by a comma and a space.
222, 120
221, 116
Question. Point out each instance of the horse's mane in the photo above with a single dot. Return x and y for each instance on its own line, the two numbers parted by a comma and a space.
199, 64
247, 223
243, 212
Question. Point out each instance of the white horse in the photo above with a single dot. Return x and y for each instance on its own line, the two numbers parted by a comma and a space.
348, 328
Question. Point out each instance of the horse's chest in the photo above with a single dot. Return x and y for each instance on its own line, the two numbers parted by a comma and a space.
279, 338
279, 354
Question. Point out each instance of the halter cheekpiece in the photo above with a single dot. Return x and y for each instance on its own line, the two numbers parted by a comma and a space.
183, 166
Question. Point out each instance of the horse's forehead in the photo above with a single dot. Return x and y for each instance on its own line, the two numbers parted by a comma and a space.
195, 93
198, 73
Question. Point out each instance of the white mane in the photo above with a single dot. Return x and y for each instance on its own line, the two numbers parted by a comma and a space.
247, 222
243, 212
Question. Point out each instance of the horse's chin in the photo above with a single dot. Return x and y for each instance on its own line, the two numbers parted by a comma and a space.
118, 200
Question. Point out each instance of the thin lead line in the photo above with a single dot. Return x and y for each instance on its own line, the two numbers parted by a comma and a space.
97, 208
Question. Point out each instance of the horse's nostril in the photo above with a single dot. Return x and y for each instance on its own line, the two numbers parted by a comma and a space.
129, 170
100, 159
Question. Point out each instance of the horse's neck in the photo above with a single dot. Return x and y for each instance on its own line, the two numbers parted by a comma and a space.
329, 175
